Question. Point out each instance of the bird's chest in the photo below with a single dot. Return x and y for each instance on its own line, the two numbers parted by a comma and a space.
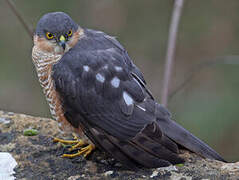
43, 64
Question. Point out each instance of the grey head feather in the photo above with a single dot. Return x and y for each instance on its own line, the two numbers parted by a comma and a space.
57, 23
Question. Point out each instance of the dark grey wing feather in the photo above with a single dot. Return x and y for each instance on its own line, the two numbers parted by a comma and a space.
91, 103
112, 42
103, 92
130, 153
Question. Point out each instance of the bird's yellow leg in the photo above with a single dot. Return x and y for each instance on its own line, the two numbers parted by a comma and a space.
76, 143
85, 151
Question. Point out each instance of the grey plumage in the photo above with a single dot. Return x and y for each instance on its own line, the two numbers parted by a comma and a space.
126, 127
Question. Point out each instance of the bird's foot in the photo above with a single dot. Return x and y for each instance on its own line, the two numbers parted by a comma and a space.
85, 147
85, 151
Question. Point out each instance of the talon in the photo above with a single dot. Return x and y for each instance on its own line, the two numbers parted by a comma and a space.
90, 148
78, 144
75, 136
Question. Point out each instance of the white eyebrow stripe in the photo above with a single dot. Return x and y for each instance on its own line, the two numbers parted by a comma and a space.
115, 82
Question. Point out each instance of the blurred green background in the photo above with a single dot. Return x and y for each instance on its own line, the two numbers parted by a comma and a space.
209, 30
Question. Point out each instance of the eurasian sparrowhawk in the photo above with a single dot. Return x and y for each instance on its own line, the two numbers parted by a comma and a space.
94, 89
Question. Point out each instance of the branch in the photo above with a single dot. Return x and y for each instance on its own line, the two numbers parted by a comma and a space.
20, 17
178, 4
233, 60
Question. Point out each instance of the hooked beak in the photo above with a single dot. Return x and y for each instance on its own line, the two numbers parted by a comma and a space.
62, 42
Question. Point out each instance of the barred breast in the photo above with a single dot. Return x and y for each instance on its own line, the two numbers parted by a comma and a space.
43, 62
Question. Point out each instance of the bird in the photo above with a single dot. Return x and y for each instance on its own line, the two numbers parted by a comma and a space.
94, 89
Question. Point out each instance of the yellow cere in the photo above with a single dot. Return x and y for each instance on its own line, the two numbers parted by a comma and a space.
49, 35
62, 38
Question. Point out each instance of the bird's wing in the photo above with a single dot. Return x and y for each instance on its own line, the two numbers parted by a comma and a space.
169, 127
100, 92
111, 42
134, 69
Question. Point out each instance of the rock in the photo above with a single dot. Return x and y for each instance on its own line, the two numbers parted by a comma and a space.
39, 158
231, 167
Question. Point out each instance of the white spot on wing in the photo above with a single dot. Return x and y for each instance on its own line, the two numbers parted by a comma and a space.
115, 82
141, 108
100, 78
86, 68
127, 98
105, 66
118, 68
111, 49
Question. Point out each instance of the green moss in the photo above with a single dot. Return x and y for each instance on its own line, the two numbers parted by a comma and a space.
179, 165
30, 132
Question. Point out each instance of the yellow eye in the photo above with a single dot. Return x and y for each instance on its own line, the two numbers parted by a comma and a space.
70, 33
49, 35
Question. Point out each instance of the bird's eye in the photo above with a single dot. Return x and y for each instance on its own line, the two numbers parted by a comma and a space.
69, 33
49, 35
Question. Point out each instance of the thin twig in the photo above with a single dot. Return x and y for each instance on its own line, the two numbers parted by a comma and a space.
178, 4
20, 17
233, 60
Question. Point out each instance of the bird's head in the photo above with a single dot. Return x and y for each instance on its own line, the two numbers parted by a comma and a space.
56, 33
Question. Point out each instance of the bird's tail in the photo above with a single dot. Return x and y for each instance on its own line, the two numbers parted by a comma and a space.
181, 136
